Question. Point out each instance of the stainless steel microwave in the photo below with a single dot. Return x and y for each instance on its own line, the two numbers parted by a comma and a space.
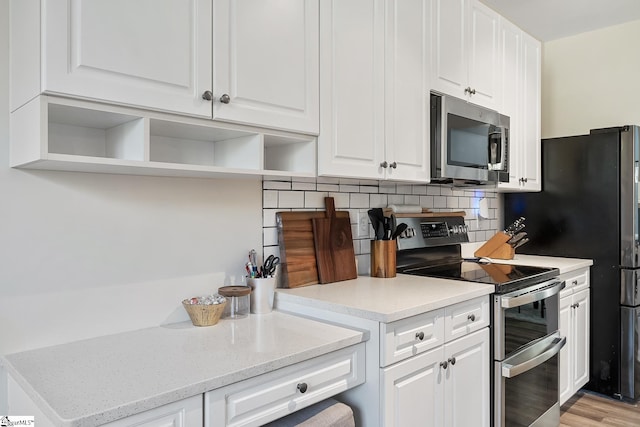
469, 143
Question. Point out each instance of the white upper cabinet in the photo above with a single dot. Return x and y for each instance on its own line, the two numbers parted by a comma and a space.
252, 62
265, 63
374, 120
521, 86
465, 54
148, 53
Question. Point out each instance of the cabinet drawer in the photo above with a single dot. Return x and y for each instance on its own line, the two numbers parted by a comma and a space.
265, 398
466, 317
184, 413
404, 338
575, 281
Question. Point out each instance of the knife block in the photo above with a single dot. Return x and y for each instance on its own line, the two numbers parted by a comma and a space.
496, 247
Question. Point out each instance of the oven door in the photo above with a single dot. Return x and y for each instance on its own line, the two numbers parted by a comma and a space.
527, 384
525, 315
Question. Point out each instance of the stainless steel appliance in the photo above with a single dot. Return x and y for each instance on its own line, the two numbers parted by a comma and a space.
588, 208
525, 336
469, 143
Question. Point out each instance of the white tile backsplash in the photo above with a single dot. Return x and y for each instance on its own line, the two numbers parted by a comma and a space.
357, 196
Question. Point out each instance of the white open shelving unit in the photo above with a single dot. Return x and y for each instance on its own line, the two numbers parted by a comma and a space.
55, 133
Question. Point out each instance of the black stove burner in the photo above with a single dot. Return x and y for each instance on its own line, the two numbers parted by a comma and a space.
505, 277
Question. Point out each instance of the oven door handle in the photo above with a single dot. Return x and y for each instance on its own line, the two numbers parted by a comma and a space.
533, 355
545, 290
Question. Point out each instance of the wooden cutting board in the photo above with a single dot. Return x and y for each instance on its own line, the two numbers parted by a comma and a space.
335, 256
297, 250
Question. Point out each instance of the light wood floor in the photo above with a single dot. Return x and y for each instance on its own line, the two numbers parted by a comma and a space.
587, 409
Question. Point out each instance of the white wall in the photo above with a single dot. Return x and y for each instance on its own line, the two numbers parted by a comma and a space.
591, 81
83, 255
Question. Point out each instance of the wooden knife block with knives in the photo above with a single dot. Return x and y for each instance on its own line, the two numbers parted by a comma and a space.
315, 247
503, 244
496, 247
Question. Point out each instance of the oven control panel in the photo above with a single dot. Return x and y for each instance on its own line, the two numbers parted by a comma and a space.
424, 232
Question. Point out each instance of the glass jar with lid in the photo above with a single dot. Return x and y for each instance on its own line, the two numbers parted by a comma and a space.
238, 301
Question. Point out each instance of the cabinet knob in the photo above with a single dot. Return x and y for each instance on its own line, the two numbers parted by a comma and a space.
393, 165
207, 95
420, 335
225, 98
472, 317
525, 179
384, 164
444, 364
574, 283
577, 304
452, 361
302, 387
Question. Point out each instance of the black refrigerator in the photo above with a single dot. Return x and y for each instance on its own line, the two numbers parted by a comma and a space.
588, 208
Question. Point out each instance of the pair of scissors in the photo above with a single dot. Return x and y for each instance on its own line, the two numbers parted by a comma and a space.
269, 267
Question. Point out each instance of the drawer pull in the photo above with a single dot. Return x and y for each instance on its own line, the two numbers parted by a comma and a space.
302, 387
575, 282
420, 335
444, 364
452, 361
472, 317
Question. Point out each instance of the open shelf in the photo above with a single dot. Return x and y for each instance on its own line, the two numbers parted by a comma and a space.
54, 133
84, 132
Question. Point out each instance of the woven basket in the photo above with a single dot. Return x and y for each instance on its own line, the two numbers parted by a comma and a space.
204, 314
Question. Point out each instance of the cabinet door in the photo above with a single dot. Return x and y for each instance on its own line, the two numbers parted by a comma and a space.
449, 47
148, 53
531, 71
580, 333
567, 352
484, 56
510, 57
266, 63
351, 141
412, 391
467, 389
183, 413
407, 75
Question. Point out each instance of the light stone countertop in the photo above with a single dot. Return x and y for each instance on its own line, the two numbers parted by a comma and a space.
385, 300
95, 381
388, 300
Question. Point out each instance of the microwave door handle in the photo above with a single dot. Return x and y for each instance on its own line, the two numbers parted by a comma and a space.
496, 161
507, 301
530, 357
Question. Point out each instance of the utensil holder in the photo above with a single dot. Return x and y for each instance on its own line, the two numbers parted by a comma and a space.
383, 258
262, 293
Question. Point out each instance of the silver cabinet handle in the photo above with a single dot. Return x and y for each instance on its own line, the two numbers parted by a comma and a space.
207, 95
225, 98
302, 387
544, 290
452, 360
532, 355
472, 317
393, 165
420, 335
444, 364
384, 164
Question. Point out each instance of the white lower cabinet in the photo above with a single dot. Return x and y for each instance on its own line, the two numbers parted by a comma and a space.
574, 324
447, 386
265, 398
443, 378
184, 413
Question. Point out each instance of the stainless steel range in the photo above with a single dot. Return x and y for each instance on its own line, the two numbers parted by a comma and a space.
525, 337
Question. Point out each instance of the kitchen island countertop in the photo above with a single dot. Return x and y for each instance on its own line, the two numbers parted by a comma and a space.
95, 381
